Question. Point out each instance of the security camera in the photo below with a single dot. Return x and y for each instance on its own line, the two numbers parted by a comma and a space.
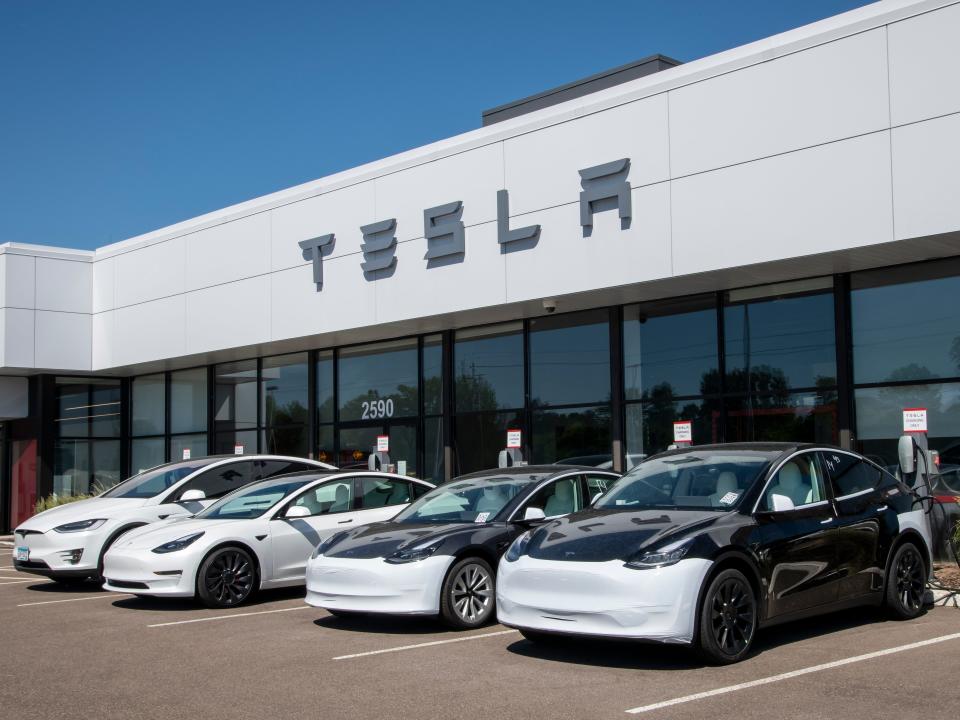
550, 305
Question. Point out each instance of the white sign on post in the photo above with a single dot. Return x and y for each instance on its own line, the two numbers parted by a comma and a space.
186, 453
383, 443
915, 420
238, 449
683, 431
514, 439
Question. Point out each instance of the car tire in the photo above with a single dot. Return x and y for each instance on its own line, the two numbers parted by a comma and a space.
728, 619
226, 578
906, 583
468, 596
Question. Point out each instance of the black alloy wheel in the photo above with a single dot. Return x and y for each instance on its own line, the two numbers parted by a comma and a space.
226, 578
907, 582
728, 618
467, 599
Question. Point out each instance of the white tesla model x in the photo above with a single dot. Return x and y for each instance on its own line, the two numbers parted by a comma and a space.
258, 537
68, 542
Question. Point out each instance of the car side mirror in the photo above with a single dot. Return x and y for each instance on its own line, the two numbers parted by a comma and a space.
533, 514
297, 511
781, 503
193, 495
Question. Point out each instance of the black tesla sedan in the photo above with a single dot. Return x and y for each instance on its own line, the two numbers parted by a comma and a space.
703, 546
439, 555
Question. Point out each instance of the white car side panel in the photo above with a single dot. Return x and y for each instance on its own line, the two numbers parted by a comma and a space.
376, 586
602, 598
917, 520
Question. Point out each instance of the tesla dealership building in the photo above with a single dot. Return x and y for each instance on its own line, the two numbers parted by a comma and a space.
764, 242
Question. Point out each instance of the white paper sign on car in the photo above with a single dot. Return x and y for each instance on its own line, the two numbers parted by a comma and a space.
383, 443
683, 431
915, 420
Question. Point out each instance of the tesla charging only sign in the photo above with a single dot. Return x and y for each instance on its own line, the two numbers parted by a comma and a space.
514, 439
683, 431
915, 420
383, 443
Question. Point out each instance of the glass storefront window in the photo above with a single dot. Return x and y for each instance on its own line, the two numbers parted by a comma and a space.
798, 417
85, 467
488, 368
236, 395
196, 443
570, 359
325, 407
284, 389
777, 343
146, 453
880, 420
286, 440
649, 425
325, 447
148, 414
578, 436
670, 346
88, 407
433, 450
479, 438
892, 341
188, 401
378, 381
433, 375
226, 443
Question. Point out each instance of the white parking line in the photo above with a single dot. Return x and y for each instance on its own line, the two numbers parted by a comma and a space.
229, 617
423, 645
8, 581
112, 596
792, 674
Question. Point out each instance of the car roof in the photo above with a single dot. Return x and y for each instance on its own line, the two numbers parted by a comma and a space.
544, 470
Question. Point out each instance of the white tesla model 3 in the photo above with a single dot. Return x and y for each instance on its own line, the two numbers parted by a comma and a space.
68, 542
258, 537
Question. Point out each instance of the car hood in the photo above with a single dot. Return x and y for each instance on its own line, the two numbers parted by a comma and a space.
383, 539
602, 535
89, 509
155, 534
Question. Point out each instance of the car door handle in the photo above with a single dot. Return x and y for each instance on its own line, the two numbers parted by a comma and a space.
827, 521
882, 508
344, 522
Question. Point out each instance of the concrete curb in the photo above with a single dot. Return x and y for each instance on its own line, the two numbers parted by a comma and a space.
945, 598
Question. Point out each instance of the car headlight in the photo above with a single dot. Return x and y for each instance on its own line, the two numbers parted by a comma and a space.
326, 545
80, 526
518, 547
661, 557
414, 554
178, 544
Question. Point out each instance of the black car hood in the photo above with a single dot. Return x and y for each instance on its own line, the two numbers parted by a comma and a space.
602, 535
383, 539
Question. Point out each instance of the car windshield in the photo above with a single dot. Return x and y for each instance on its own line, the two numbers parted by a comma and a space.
254, 500
477, 500
696, 480
154, 481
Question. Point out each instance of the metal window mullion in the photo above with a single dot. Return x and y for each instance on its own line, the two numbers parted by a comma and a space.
722, 365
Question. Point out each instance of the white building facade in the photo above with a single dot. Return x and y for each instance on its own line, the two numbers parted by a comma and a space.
763, 242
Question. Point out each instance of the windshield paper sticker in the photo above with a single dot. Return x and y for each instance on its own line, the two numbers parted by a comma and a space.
481, 517
730, 498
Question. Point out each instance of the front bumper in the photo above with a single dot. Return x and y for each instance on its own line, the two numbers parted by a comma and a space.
376, 586
51, 553
132, 572
603, 599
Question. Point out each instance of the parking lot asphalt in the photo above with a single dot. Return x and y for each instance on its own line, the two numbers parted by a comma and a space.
84, 652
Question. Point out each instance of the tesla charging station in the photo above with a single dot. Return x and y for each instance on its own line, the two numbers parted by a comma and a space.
380, 457
513, 453
917, 463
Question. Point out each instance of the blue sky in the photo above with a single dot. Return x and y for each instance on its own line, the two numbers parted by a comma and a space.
117, 118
